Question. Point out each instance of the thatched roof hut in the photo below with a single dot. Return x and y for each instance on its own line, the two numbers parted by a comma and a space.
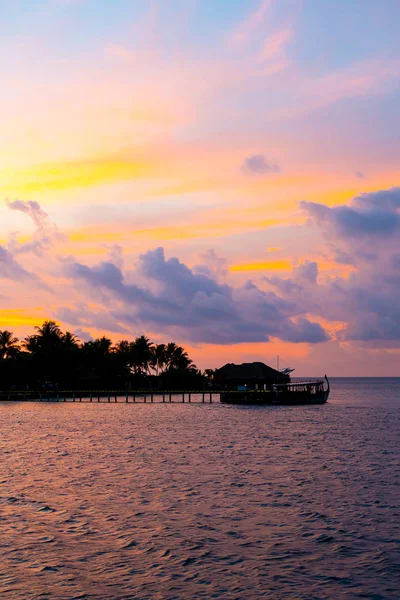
254, 375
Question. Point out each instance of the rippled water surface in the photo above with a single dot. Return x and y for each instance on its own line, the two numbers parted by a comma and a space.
118, 501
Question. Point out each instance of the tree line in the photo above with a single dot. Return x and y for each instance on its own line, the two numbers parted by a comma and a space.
53, 358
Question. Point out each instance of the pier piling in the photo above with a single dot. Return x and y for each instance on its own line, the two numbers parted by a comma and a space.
115, 396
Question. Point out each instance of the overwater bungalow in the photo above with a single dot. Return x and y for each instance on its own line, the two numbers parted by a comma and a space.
254, 376
257, 383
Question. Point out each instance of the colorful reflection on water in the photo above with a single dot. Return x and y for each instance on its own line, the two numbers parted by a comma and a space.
202, 501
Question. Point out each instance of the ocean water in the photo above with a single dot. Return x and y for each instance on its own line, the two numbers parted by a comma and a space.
189, 501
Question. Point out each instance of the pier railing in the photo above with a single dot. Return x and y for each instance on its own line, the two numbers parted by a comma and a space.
131, 396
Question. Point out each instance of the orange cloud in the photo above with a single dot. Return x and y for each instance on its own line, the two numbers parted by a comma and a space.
18, 317
212, 224
80, 173
270, 265
98, 234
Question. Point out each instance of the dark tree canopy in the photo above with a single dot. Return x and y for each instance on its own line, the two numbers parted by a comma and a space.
49, 357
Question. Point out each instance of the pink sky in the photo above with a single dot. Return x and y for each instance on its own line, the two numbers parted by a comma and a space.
221, 176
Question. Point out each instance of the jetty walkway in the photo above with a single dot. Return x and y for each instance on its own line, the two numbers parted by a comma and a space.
105, 396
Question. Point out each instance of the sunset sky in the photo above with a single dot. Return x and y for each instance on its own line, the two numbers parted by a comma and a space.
220, 173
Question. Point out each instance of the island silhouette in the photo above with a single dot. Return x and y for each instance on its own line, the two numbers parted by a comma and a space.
51, 358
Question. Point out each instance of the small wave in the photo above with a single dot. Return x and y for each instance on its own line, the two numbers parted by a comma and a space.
48, 568
324, 539
131, 544
46, 508
314, 515
188, 561
345, 550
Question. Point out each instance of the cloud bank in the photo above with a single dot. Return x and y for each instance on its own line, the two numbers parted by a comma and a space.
173, 297
365, 234
204, 304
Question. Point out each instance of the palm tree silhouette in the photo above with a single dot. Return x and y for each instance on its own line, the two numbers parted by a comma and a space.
142, 351
100, 347
70, 341
53, 357
159, 358
169, 353
178, 358
47, 339
8, 345
124, 353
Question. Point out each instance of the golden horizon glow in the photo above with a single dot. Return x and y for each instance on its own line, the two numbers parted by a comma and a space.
17, 317
200, 131
68, 175
270, 265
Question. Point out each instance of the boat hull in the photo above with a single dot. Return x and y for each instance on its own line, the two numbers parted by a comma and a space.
310, 392
271, 399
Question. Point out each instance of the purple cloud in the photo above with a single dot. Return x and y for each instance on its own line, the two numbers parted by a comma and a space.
81, 315
307, 271
257, 164
46, 231
364, 234
174, 298
11, 269
374, 214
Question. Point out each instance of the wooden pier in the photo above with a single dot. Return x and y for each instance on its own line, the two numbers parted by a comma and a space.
106, 396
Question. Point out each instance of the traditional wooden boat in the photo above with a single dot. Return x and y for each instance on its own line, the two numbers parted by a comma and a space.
295, 392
